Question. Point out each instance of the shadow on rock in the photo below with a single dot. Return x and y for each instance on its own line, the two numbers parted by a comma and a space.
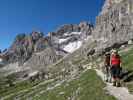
127, 75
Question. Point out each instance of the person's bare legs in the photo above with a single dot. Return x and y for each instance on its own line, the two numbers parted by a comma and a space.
114, 81
118, 82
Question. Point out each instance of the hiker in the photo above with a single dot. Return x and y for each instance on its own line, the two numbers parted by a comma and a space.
115, 62
107, 67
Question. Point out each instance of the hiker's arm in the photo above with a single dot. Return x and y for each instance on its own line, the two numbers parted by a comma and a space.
120, 63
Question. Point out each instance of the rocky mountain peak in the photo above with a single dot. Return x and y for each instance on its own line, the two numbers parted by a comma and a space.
70, 37
108, 4
24, 45
66, 39
68, 28
36, 35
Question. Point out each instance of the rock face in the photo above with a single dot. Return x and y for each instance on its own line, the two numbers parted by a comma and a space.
35, 51
114, 24
65, 40
70, 37
25, 45
108, 4
42, 59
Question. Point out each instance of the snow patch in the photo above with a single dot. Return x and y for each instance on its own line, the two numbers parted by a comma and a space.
74, 33
71, 47
78, 33
63, 40
66, 34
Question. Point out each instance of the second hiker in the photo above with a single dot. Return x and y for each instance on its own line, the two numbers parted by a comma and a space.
107, 67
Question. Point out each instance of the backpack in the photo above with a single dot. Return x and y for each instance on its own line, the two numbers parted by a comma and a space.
107, 60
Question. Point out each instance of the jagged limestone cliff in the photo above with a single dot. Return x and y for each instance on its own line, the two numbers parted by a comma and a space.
115, 23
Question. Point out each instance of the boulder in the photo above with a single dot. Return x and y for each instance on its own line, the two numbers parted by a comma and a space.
130, 42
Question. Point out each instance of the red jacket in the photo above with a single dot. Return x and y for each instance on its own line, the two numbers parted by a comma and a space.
115, 60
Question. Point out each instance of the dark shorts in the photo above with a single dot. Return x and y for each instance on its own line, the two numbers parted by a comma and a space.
115, 71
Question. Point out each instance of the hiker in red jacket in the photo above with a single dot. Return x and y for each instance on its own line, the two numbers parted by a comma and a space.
115, 62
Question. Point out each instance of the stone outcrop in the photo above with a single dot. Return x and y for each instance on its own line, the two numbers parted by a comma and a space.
24, 46
114, 24
35, 52
42, 59
68, 35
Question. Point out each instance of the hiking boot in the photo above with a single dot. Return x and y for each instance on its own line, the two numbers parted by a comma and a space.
118, 84
114, 83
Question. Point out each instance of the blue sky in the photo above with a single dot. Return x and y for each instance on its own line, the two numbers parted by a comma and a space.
23, 16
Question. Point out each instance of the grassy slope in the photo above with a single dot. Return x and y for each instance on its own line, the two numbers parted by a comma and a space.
88, 87
127, 59
127, 63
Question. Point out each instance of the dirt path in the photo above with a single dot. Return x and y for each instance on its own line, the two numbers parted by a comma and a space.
121, 93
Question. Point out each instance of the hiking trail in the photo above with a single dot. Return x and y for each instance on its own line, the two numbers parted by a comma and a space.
121, 93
